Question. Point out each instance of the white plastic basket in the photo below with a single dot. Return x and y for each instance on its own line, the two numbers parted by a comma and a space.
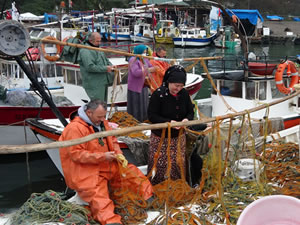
247, 169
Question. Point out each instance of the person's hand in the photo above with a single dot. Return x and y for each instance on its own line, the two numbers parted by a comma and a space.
184, 120
153, 69
110, 68
172, 121
110, 156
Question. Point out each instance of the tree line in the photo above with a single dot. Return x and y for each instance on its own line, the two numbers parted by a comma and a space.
39, 7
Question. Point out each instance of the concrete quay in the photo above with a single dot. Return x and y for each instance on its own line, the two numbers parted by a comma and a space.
281, 32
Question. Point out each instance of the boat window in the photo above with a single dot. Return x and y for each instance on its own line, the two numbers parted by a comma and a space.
275, 92
49, 71
79, 80
256, 90
44, 34
262, 90
191, 32
10, 71
59, 71
231, 88
34, 33
183, 31
21, 74
70, 76
15, 70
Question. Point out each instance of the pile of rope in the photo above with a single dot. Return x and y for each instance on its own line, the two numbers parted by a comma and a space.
124, 119
50, 207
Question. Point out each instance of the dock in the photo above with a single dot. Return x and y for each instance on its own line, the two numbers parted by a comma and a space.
281, 32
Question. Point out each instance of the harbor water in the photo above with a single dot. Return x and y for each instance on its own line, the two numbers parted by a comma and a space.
23, 174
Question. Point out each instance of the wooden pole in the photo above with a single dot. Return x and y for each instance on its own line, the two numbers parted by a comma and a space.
13, 149
118, 51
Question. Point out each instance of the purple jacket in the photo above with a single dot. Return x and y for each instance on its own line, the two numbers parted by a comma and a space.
136, 74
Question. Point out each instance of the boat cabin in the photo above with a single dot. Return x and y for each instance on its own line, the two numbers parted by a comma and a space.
241, 95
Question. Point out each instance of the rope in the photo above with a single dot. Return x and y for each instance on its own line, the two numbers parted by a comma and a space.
50, 207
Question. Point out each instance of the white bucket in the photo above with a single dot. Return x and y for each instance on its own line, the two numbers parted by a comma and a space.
272, 210
247, 169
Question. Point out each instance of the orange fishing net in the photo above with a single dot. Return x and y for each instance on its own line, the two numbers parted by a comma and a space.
124, 119
221, 195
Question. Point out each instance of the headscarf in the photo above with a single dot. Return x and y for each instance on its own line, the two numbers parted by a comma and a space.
139, 49
175, 74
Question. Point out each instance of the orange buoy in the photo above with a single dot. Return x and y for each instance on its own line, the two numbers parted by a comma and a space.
291, 71
51, 58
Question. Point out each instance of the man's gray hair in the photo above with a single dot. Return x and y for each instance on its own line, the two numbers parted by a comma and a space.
92, 36
94, 104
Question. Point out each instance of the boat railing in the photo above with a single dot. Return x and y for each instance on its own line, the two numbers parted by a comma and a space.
126, 47
259, 67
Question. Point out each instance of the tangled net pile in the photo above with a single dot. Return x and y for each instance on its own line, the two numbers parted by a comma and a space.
219, 199
124, 119
222, 196
283, 168
50, 207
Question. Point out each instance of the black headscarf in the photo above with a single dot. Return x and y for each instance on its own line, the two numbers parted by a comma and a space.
174, 74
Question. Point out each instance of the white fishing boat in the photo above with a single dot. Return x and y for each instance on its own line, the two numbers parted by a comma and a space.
142, 32
193, 37
119, 33
239, 92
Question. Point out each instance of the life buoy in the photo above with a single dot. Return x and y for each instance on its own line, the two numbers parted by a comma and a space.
291, 71
51, 58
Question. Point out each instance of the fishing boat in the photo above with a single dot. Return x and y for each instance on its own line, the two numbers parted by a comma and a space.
166, 30
142, 32
227, 38
21, 100
242, 89
119, 33
261, 68
101, 27
193, 37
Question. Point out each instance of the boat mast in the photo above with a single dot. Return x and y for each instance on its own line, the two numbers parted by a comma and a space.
237, 30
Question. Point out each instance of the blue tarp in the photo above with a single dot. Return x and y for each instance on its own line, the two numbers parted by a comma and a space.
274, 17
251, 14
296, 19
47, 17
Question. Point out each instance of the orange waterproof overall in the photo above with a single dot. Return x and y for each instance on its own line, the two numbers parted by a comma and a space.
158, 76
88, 172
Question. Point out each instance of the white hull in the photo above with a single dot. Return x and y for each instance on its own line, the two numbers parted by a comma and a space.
136, 38
185, 43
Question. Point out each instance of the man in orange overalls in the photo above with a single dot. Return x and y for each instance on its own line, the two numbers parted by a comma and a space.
157, 77
92, 169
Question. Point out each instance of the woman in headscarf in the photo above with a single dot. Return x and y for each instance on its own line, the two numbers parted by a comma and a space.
169, 103
138, 94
